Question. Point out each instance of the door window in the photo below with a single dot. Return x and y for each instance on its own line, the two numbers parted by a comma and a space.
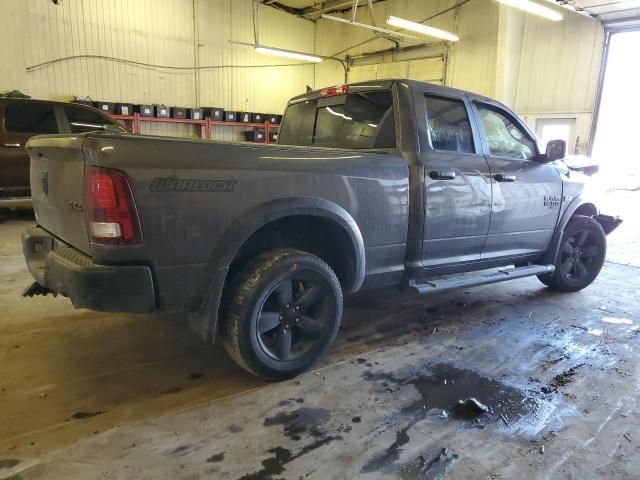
505, 137
35, 118
83, 120
448, 125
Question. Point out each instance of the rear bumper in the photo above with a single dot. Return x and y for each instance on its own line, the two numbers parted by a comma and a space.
69, 272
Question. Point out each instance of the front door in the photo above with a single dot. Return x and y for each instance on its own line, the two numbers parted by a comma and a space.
457, 185
526, 193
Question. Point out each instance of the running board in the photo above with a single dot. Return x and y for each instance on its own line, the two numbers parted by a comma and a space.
440, 285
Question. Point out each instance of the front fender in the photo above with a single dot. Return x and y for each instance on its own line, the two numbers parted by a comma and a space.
580, 205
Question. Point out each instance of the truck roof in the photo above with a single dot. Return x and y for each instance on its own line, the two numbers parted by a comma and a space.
386, 84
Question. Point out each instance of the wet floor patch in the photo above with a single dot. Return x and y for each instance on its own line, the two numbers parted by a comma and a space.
275, 465
444, 389
446, 394
84, 415
431, 465
300, 422
8, 463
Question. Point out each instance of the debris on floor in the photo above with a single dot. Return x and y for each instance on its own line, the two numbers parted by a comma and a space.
470, 408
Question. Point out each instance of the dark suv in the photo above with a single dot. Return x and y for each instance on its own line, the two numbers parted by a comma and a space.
21, 119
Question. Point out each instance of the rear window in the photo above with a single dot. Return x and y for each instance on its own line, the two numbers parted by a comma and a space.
83, 120
355, 120
30, 118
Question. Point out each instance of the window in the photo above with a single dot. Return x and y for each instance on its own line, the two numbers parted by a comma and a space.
357, 120
556, 129
25, 117
83, 120
448, 125
504, 136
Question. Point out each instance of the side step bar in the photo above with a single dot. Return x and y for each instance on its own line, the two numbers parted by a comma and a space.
440, 285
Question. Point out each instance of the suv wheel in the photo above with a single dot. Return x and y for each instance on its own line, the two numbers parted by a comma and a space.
582, 252
283, 314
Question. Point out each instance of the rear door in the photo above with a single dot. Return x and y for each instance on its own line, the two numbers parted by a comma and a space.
22, 120
526, 193
457, 186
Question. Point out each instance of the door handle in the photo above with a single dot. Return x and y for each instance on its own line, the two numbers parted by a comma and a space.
14, 145
501, 177
439, 175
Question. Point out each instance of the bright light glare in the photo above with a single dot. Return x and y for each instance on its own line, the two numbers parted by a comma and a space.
534, 8
423, 29
289, 54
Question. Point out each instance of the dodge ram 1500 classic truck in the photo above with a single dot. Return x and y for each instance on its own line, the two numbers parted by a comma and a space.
394, 182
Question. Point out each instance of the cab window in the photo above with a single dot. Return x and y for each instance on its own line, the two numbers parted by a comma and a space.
448, 125
504, 136
35, 118
355, 120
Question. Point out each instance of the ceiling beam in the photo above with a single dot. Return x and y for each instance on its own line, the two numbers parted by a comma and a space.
330, 6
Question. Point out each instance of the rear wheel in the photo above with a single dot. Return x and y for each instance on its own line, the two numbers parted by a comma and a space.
582, 252
284, 313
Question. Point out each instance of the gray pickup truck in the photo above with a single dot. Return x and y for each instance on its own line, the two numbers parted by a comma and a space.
372, 184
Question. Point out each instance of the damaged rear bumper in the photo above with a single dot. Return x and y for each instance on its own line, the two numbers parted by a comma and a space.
65, 270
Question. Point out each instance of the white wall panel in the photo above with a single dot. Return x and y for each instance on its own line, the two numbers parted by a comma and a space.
558, 72
159, 32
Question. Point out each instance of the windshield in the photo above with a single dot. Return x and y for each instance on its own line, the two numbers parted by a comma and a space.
355, 120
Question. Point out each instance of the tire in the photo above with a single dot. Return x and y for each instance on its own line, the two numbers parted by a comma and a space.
582, 252
283, 313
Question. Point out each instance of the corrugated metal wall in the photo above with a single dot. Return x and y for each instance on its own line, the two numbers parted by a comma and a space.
558, 74
157, 32
471, 62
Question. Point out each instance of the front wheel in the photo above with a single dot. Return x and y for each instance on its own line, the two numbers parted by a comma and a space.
283, 315
582, 252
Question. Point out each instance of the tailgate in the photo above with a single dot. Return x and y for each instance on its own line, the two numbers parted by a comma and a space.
57, 177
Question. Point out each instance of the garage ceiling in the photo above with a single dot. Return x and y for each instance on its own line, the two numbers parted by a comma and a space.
312, 9
612, 13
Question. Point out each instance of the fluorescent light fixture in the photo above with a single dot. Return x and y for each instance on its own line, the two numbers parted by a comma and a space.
534, 8
281, 52
278, 52
369, 27
420, 28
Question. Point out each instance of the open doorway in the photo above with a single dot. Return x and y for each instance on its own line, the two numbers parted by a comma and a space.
615, 146
616, 141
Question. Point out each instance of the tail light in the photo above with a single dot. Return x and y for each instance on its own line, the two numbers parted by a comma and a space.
110, 209
334, 91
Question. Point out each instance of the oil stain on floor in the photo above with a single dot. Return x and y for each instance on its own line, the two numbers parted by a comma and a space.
447, 393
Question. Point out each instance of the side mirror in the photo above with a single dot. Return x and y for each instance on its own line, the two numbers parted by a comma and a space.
556, 150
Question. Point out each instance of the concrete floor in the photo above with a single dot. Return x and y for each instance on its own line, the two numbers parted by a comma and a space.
91, 395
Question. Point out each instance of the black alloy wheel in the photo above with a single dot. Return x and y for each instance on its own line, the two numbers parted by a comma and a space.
295, 315
580, 257
283, 313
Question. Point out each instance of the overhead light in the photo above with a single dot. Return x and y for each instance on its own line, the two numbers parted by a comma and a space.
534, 8
278, 52
281, 52
369, 27
420, 28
